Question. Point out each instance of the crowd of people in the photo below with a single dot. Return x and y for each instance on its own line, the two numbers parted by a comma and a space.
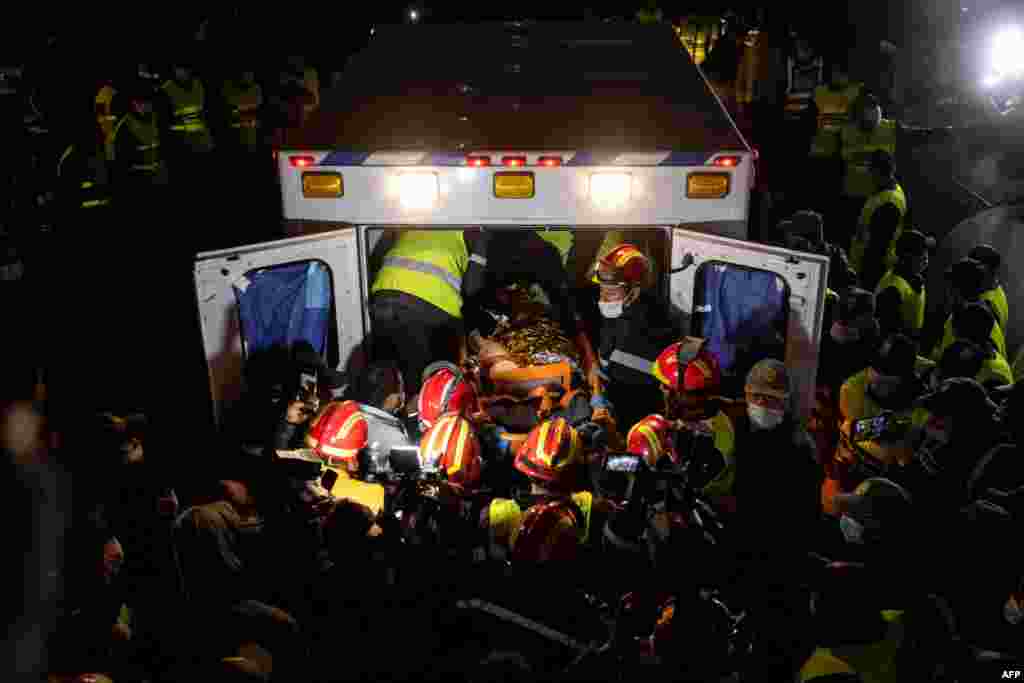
645, 525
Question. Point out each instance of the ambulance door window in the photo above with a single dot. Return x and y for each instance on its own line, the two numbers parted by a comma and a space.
743, 313
285, 305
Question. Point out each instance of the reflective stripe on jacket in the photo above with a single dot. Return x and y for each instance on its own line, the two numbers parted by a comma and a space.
244, 104
504, 519
855, 403
93, 194
145, 147
856, 149
1000, 306
912, 304
859, 244
427, 264
997, 337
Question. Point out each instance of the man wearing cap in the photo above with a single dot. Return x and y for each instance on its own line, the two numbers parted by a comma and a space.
990, 260
891, 386
873, 247
900, 300
967, 280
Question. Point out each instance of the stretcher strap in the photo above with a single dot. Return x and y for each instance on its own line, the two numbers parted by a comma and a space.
520, 620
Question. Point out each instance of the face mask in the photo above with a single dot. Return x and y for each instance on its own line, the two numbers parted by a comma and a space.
1013, 612
610, 309
853, 531
764, 418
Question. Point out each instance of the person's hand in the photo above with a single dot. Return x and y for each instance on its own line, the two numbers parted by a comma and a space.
298, 413
167, 505
599, 402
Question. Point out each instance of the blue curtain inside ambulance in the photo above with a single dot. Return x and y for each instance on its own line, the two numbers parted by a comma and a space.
742, 312
283, 305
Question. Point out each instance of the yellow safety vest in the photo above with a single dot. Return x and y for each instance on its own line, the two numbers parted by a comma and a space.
189, 122
504, 517
833, 114
856, 404
92, 192
146, 137
561, 239
428, 264
724, 437
948, 338
995, 370
997, 297
244, 103
874, 662
1018, 365
856, 148
105, 116
859, 244
912, 304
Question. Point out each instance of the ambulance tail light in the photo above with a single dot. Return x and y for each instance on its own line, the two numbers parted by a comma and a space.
301, 161
727, 161
514, 161
707, 185
549, 161
478, 161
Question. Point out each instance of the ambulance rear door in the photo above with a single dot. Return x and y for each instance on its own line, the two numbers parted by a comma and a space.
254, 298
751, 301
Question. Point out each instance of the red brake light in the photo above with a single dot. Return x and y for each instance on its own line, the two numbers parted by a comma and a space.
301, 161
550, 161
478, 161
514, 161
726, 162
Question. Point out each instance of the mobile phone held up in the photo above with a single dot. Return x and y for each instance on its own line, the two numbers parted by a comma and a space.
329, 479
626, 464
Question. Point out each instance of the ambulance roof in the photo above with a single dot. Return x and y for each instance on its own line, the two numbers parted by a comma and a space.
521, 86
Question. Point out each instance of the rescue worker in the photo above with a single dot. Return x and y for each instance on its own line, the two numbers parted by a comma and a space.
873, 247
888, 385
138, 154
185, 103
445, 389
416, 301
967, 283
553, 459
900, 299
634, 331
242, 101
833, 103
974, 323
690, 378
990, 260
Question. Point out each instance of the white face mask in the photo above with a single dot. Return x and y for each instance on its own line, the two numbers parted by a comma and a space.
764, 418
853, 531
1013, 612
610, 309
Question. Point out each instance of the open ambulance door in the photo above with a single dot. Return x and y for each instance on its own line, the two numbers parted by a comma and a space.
751, 301
257, 298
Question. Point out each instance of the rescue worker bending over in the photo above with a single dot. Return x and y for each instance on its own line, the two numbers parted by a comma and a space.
417, 298
553, 459
888, 385
967, 281
974, 323
136, 141
445, 389
635, 329
993, 291
690, 378
900, 300
873, 248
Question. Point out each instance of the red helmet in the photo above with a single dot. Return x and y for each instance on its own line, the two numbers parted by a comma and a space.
548, 531
444, 390
452, 444
651, 438
338, 433
550, 452
688, 365
623, 265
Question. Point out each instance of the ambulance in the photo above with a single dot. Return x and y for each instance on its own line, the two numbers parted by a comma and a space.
572, 128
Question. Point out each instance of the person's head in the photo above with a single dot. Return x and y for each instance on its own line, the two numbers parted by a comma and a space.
957, 408
974, 323
548, 531
967, 281
690, 378
768, 394
877, 511
868, 111
140, 99
892, 369
381, 386
552, 456
621, 275
882, 167
912, 250
990, 261
960, 359
651, 439
444, 389
338, 434
692, 639
855, 321
804, 231
452, 445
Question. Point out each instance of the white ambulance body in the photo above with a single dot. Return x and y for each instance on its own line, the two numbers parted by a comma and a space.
583, 128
